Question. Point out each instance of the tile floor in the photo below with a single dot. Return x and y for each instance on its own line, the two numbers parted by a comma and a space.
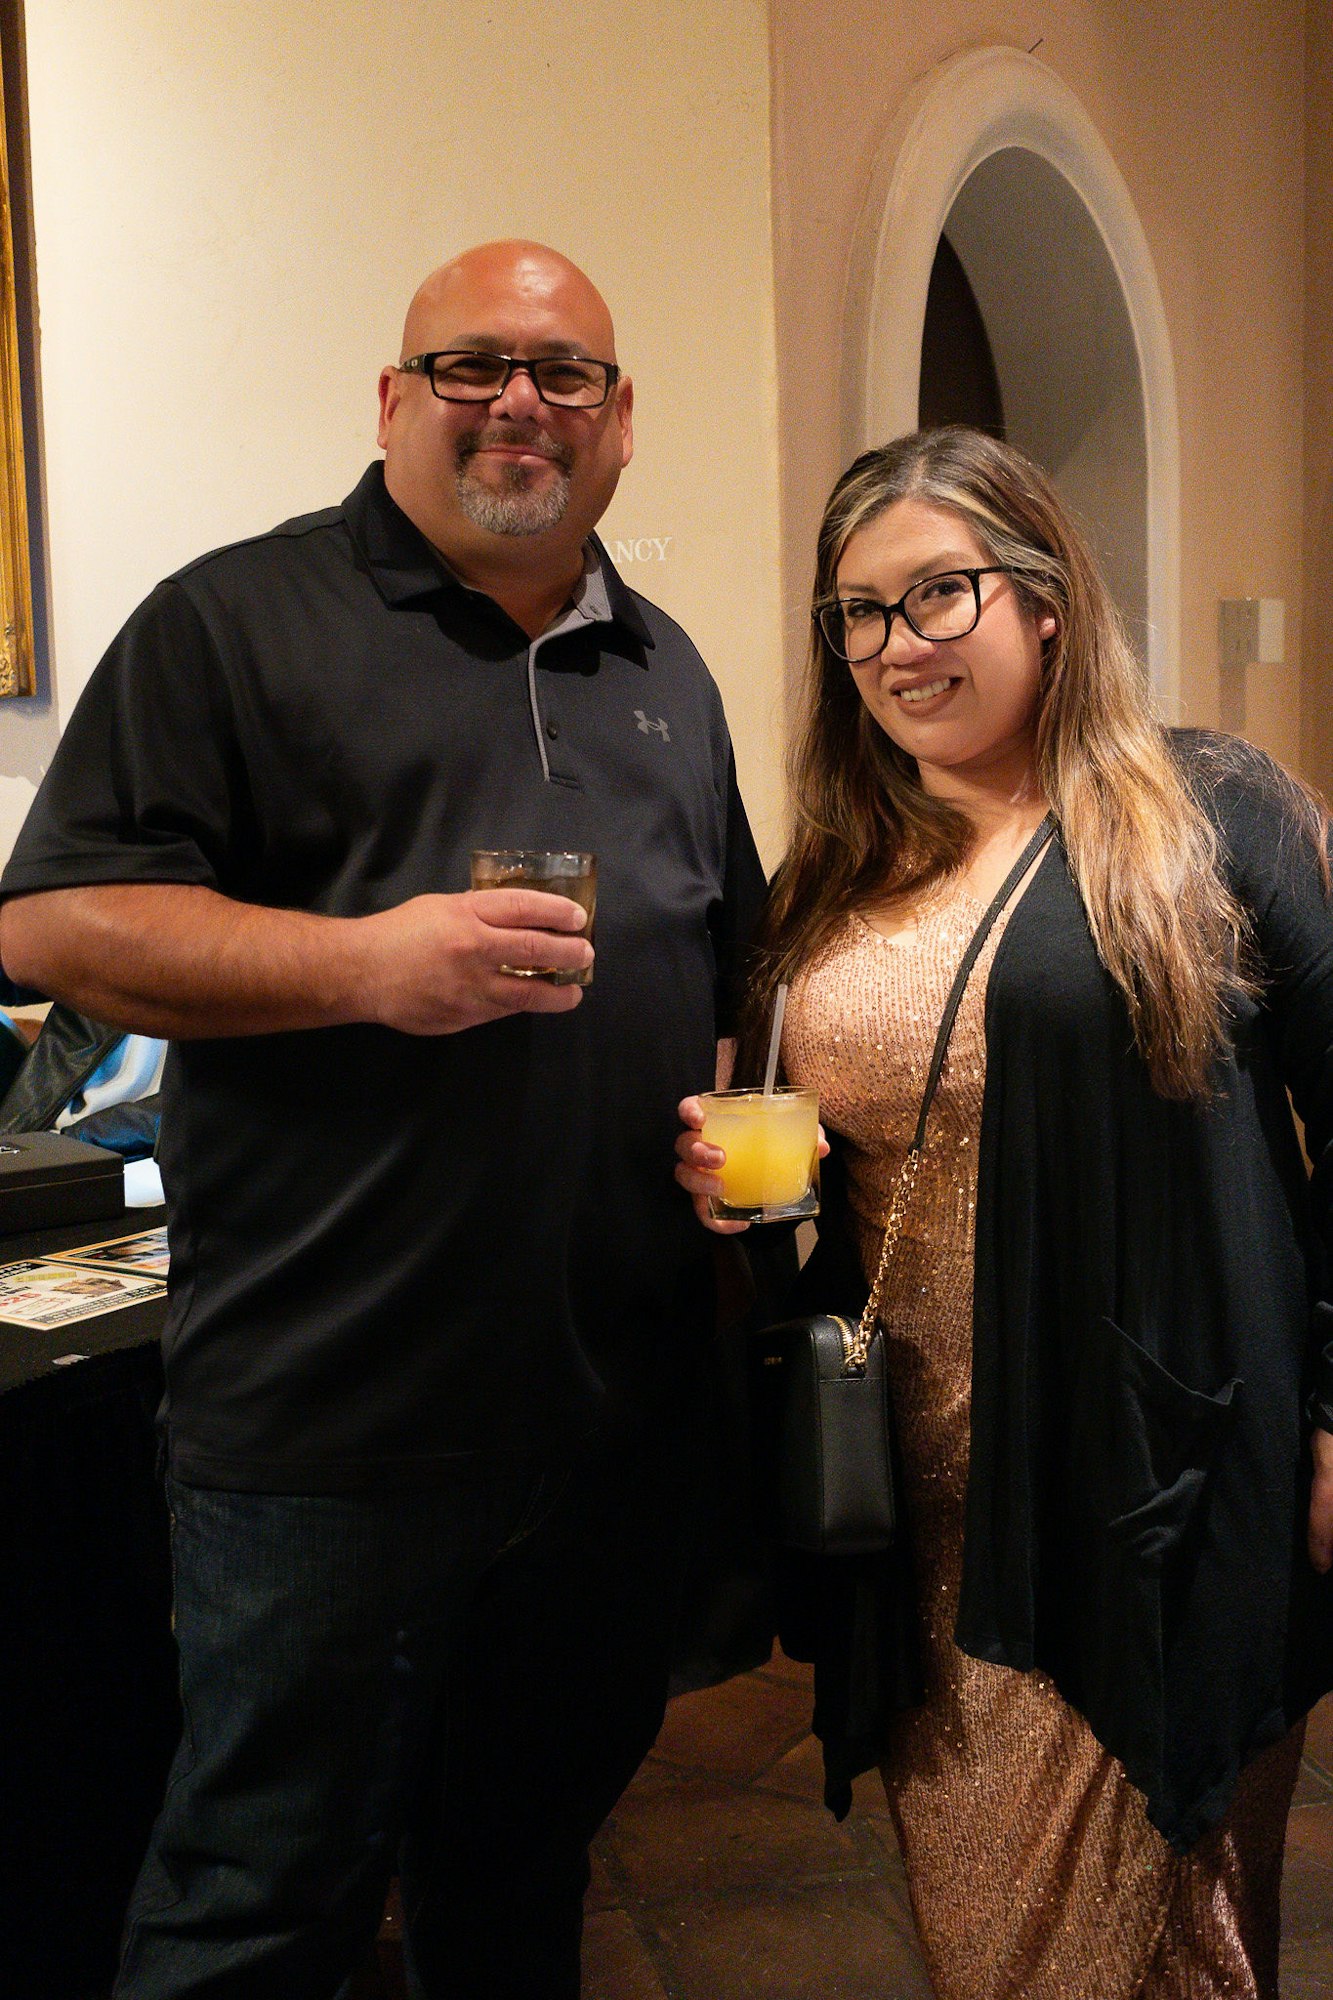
720, 1876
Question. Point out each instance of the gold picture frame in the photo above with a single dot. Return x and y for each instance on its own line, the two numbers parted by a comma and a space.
17, 663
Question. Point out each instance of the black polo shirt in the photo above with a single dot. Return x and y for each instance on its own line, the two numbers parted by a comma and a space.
389, 1249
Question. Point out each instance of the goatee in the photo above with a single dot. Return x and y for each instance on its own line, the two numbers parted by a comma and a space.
519, 505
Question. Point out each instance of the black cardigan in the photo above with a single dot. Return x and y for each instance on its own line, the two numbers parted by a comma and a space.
1151, 1307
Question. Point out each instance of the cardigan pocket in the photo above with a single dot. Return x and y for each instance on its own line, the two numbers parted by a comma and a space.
1144, 1443
1141, 1446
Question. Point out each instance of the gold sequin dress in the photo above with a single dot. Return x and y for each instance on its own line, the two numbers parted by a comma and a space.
1033, 1869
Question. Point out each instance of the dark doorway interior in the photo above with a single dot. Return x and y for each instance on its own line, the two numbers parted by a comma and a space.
959, 384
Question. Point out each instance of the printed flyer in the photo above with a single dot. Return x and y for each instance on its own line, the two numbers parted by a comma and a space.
146, 1252
44, 1293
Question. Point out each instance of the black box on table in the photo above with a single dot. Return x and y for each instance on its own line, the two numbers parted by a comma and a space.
47, 1179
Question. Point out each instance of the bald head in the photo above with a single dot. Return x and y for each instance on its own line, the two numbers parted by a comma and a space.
508, 486
512, 274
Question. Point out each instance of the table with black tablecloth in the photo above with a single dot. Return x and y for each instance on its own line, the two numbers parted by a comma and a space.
88, 1698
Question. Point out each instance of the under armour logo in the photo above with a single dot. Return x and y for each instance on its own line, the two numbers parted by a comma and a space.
647, 728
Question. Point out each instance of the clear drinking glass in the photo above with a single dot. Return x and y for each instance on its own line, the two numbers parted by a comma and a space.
772, 1144
572, 875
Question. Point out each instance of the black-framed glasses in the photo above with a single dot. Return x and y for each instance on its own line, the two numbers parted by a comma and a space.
468, 375
946, 606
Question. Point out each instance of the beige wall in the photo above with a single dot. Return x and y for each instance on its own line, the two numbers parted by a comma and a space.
233, 201
1202, 109
1317, 683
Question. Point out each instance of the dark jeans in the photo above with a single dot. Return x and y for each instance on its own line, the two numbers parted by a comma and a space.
452, 1685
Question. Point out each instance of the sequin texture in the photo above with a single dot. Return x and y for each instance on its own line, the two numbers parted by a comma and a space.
1033, 1869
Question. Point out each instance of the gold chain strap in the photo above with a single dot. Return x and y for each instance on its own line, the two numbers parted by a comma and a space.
856, 1346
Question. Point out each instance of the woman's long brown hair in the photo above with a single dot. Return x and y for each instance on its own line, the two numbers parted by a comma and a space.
1142, 851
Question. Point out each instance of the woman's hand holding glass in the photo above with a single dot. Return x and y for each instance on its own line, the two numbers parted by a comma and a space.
698, 1167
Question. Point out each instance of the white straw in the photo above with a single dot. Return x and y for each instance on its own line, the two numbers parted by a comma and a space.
775, 1041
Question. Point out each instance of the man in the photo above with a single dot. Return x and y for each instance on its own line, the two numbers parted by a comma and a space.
438, 1313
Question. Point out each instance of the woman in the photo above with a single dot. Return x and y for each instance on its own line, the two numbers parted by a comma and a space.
1098, 1321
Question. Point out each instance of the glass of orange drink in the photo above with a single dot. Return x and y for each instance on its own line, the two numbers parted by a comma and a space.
771, 1144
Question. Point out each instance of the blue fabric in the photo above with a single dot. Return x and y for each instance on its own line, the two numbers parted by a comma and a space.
128, 1129
131, 1070
105, 1109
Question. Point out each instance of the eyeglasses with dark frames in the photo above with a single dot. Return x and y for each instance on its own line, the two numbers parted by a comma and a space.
469, 375
946, 606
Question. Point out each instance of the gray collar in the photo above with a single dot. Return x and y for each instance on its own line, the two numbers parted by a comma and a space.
589, 604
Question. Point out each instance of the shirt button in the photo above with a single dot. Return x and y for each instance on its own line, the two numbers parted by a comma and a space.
552, 730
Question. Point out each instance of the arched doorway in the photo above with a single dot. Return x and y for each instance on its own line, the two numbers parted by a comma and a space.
994, 155
1067, 371
960, 383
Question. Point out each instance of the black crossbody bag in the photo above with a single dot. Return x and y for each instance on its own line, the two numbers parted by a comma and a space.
819, 1386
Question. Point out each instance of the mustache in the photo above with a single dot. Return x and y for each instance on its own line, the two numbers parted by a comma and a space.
533, 441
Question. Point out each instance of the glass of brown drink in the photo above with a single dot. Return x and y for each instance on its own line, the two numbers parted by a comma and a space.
572, 875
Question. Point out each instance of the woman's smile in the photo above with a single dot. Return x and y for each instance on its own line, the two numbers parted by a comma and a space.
914, 693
